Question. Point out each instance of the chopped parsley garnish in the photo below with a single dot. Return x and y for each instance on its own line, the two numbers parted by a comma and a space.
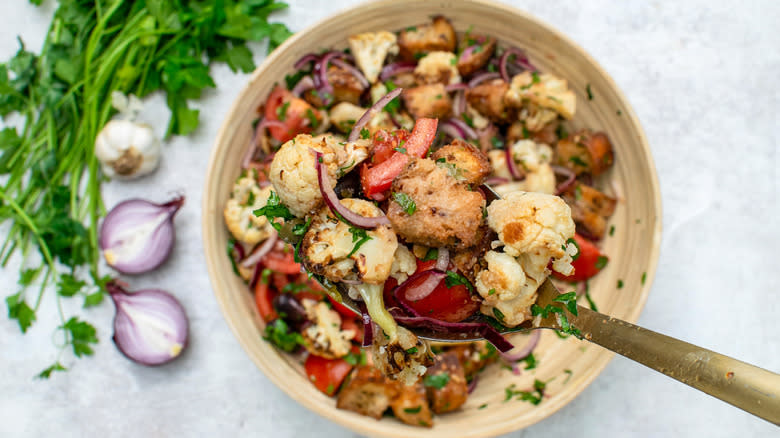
578, 192
578, 161
526, 132
591, 303
294, 288
401, 150
453, 61
432, 254
274, 209
330, 389
498, 314
411, 29
644, 277
279, 334
569, 300
441, 160
359, 237
394, 105
453, 279
414, 410
313, 122
530, 361
250, 200
601, 262
573, 242
437, 381
534, 396
611, 230
561, 132
492, 291
343, 170
412, 350
482, 406
497, 142
468, 119
620, 113
365, 133
354, 359
569, 372
590, 93
534, 77
620, 284
492, 68
265, 276
406, 202
554, 99
281, 111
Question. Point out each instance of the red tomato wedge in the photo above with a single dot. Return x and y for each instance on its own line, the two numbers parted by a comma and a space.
296, 114
376, 180
281, 262
263, 300
326, 374
451, 304
385, 144
588, 263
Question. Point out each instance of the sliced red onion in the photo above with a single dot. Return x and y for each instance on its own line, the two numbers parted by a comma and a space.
455, 87
468, 131
395, 69
374, 110
478, 79
496, 180
137, 235
443, 259
451, 130
521, 354
467, 52
262, 249
473, 329
305, 59
249, 156
150, 326
520, 58
511, 165
567, 173
306, 83
353, 71
459, 104
431, 279
473, 384
321, 83
368, 325
336, 206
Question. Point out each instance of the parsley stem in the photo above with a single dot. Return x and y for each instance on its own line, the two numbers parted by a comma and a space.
26, 219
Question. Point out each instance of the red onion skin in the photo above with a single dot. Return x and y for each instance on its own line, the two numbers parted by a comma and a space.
158, 247
482, 78
263, 249
352, 70
571, 178
520, 58
368, 325
305, 59
397, 68
459, 104
432, 279
306, 83
526, 350
374, 110
468, 131
443, 259
511, 165
259, 132
329, 195
455, 87
158, 303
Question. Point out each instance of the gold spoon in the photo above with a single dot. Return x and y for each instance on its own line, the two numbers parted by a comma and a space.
748, 387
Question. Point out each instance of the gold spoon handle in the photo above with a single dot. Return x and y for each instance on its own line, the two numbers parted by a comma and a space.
745, 386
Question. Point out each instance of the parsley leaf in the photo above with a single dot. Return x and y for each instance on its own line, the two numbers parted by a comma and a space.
80, 334
281, 111
365, 133
432, 254
454, 278
437, 381
406, 202
280, 335
601, 262
20, 311
590, 93
274, 209
359, 237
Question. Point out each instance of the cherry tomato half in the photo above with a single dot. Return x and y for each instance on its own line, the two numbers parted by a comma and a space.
588, 263
326, 374
264, 296
297, 115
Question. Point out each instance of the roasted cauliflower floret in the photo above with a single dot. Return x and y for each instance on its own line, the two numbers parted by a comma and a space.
404, 357
370, 50
504, 279
330, 248
239, 214
345, 114
324, 336
430, 100
404, 264
531, 223
293, 171
472, 165
416, 41
544, 90
437, 67
532, 159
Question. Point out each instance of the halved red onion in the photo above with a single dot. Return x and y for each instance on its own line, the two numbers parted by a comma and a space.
527, 349
471, 329
431, 279
520, 58
137, 235
478, 79
150, 326
511, 165
306, 83
455, 87
336, 206
353, 71
261, 250
374, 110
443, 259
396, 68
567, 173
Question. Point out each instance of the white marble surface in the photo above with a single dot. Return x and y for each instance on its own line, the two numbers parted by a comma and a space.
702, 77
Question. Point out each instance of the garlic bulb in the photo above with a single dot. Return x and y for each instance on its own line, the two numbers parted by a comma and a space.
127, 149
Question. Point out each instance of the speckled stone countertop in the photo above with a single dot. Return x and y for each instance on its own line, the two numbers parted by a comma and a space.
703, 79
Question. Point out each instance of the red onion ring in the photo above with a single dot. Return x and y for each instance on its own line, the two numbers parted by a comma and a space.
336, 206
570, 176
459, 104
261, 250
527, 349
353, 71
374, 110
305, 59
467, 52
321, 83
246, 161
395, 69
443, 259
476, 329
478, 79
455, 87
432, 279
451, 130
511, 165
520, 58
468, 131
473, 384
306, 83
